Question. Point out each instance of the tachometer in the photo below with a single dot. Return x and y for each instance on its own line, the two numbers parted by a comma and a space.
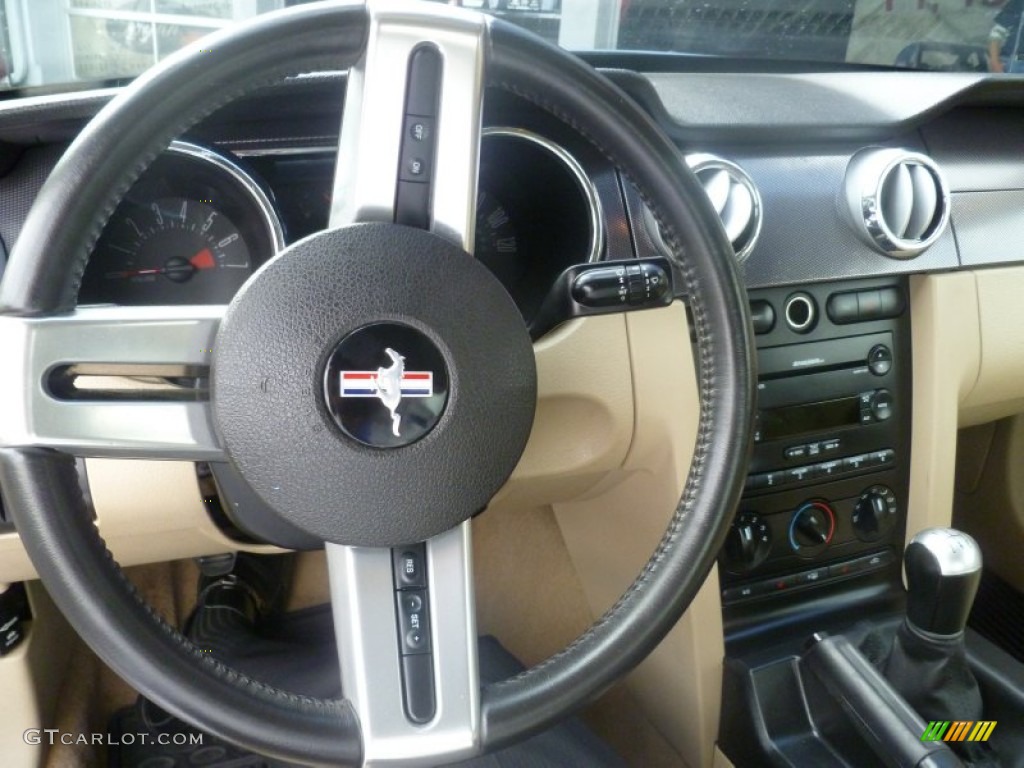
170, 249
191, 231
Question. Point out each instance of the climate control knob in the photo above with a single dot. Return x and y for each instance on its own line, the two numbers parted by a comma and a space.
748, 543
811, 528
875, 513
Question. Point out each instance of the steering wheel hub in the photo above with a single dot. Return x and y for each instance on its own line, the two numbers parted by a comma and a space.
359, 381
386, 385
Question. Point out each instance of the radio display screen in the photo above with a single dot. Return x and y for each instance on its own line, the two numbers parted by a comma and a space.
809, 417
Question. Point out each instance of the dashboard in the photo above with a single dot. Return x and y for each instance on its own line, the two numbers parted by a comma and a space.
876, 341
785, 165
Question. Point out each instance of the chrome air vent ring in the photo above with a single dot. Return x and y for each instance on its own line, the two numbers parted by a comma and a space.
734, 197
897, 200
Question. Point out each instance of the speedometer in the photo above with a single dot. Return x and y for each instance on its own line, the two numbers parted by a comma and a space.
191, 231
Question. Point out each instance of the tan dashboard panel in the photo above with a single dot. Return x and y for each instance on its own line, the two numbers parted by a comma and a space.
612, 532
30, 678
991, 508
584, 421
946, 358
999, 389
147, 511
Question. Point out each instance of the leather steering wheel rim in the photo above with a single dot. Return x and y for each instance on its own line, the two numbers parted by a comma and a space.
40, 484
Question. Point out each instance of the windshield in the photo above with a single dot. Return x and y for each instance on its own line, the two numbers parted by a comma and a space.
84, 42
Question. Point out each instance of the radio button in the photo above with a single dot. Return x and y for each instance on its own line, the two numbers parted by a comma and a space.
813, 449
830, 468
796, 452
853, 463
843, 308
892, 301
754, 483
881, 405
774, 479
802, 474
880, 360
886, 456
869, 304
830, 445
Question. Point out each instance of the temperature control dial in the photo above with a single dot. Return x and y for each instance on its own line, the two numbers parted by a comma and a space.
875, 513
748, 543
811, 528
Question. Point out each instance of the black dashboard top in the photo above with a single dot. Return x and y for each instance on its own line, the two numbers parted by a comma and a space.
792, 133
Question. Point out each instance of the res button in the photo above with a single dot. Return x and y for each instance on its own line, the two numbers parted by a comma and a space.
410, 567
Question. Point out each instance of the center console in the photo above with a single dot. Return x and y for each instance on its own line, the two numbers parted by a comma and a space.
825, 500
829, 661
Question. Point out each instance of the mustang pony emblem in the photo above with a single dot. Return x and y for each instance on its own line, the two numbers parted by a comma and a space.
389, 385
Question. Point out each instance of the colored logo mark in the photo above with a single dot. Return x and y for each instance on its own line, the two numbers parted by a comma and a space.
958, 730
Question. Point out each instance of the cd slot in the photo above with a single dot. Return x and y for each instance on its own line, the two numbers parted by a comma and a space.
775, 393
815, 357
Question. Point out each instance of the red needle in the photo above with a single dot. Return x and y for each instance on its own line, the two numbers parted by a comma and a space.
135, 273
203, 260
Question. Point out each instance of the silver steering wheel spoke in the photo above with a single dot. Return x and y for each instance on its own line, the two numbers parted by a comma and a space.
365, 596
111, 381
391, 151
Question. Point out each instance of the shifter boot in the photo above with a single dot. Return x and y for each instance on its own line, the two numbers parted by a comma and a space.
931, 673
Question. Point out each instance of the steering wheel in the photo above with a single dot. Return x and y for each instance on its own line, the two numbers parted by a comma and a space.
362, 479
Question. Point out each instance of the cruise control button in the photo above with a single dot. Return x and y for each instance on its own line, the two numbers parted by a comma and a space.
418, 685
424, 82
420, 130
413, 621
410, 567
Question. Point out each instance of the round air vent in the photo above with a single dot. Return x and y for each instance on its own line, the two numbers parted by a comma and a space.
733, 196
898, 200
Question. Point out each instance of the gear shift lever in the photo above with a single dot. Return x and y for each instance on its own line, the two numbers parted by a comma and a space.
928, 663
943, 568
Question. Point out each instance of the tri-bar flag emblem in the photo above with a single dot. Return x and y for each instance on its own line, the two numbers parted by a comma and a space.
366, 384
958, 730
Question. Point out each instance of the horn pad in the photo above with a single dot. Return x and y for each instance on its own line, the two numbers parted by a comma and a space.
375, 385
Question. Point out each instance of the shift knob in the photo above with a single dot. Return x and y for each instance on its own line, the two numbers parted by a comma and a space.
943, 567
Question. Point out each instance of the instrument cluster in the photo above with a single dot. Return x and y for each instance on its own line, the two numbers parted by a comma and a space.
199, 222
